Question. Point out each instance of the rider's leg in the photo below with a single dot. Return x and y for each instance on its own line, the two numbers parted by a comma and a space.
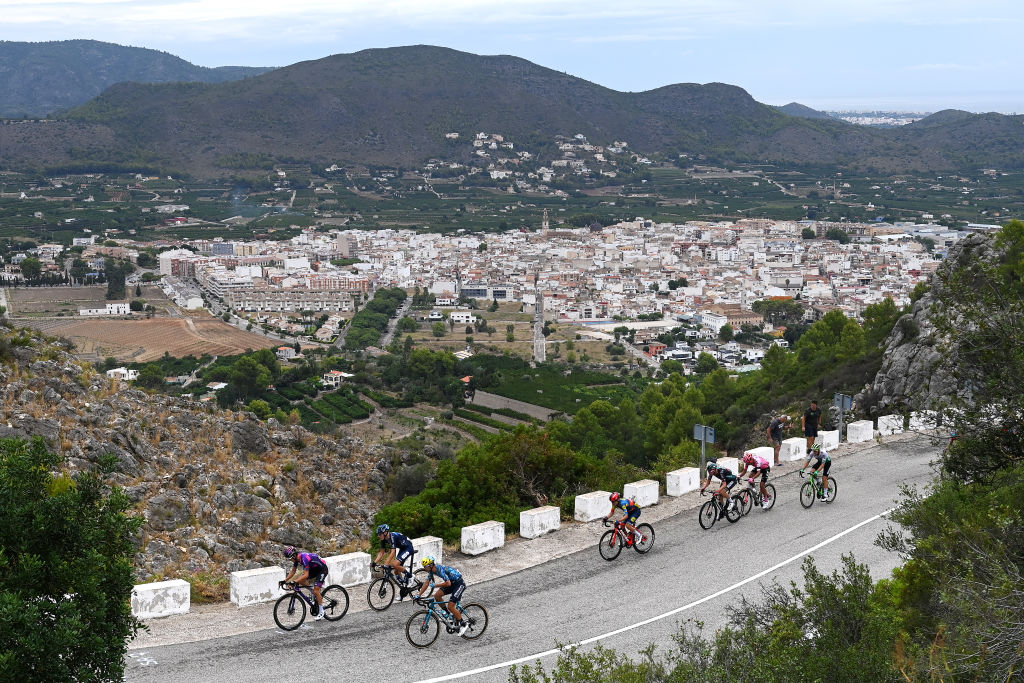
824, 475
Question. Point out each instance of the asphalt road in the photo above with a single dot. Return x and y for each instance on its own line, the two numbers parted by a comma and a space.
635, 599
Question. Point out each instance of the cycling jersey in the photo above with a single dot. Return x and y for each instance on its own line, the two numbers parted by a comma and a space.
727, 477
445, 573
628, 505
818, 457
760, 463
309, 561
401, 543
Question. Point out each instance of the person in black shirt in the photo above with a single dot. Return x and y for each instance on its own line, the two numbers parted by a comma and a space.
812, 417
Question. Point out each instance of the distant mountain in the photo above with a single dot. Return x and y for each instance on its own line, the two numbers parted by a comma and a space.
394, 106
803, 111
37, 79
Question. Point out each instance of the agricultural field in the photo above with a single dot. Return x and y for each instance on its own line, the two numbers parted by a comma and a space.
41, 302
141, 341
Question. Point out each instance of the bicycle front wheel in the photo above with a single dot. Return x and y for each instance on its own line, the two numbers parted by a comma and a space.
770, 490
476, 615
746, 501
830, 492
708, 515
644, 544
734, 513
335, 602
380, 594
422, 628
807, 494
289, 612
610, 545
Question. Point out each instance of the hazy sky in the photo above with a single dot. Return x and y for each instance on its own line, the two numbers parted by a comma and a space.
921, 55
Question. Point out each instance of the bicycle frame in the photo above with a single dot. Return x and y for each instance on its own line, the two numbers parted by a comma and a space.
437, 609
301, 591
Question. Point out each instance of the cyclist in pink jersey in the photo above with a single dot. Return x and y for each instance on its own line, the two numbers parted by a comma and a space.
757, 465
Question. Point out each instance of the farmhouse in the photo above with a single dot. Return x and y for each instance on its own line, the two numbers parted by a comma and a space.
113, 308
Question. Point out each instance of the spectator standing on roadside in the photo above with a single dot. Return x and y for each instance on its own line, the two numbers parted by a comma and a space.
775, 433
811, 420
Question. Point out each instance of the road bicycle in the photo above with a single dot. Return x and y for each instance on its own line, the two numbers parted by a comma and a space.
381, 592
711, 511
751, 496
813, 489
290, 608
424, 625
613, 540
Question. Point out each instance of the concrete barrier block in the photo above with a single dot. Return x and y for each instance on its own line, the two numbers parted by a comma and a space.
923, 420
591, 506
857, 432
732, 463
539, 521
161, 599
427, 545
253, 586
682, 481
793, 449
828, 439
479, 538
890, 424
643, 492
766, 452
349, 569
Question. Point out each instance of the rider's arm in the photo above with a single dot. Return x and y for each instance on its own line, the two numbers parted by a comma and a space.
612, 512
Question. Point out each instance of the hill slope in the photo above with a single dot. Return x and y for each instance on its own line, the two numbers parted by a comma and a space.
393, 107
39, 78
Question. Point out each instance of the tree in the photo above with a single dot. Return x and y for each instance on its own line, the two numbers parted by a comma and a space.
706, 363
838, 235
151, 376
261, 408
725, 333
138, 290
226, 316
407, 324
65, 609
31, 268
137, 305
808, 234
510, 332
439, 329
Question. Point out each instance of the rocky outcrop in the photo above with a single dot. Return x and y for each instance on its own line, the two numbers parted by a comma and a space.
218, 490
914, 374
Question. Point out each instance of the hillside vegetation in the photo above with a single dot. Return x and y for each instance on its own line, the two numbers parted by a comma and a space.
393, 107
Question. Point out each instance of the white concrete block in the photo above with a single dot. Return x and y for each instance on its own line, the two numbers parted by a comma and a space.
766, 452
732, 463
890, 424
923, 420
828, 439
539, 521
643, 492
682, 481
857, 432
253, 586
349, 569
161, 599
479, 538
591, 506
427, 545
793, 449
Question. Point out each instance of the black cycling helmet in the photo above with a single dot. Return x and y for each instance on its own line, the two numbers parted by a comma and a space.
712, 465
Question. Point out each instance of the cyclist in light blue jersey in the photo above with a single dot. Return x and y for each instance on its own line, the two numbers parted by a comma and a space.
449, 582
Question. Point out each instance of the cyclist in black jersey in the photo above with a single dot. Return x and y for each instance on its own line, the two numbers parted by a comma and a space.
728, 480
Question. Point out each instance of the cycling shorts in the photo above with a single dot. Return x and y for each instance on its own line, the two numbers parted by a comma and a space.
631, 516
455, 590
729, 483
764, 473
403, 554
817, 463
317, 574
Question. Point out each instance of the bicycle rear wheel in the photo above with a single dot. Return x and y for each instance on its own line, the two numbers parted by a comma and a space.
708, 515
647, 542
830, 492
335, 602
380, 594
610, 545
476, 615
807, 494
770, 489
734, 513
289, 612
422, 628
746, 502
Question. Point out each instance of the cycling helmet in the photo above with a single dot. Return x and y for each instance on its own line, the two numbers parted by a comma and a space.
614, 497
289, 551
816, 448
712, 465
383, 529
748, 458
427, 561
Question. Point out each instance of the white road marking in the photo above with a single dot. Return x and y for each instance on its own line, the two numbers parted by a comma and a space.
665, 615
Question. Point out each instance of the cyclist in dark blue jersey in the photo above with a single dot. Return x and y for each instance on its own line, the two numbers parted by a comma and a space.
399, 549
448, 581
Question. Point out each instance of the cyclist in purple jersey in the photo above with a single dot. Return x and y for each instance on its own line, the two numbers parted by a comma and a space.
314, 570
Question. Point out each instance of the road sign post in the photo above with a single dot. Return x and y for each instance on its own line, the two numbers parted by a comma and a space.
844, 403
705, 435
